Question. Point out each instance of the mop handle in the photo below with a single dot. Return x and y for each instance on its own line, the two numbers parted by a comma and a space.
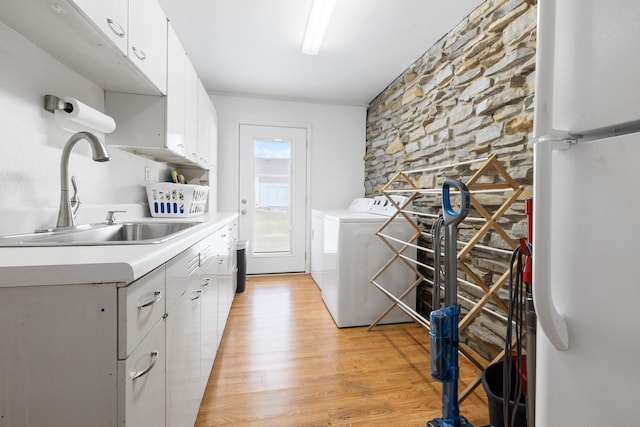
452, 217
451, 221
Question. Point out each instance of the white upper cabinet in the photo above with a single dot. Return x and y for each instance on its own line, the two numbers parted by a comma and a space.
148, 40
89, 36
204, 126
176, 94
121, 45
191, 111
213, 153
138, 28
111, 17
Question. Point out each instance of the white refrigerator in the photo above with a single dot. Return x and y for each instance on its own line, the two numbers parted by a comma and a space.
586, 256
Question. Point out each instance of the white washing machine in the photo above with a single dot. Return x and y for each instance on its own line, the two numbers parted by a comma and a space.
320, 259
353, 254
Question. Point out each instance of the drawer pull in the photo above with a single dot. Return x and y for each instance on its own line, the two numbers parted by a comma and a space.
145, 371
139, 53
195, 294
115, 27
157, 296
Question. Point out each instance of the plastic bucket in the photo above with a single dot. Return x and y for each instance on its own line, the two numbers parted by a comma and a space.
492, 384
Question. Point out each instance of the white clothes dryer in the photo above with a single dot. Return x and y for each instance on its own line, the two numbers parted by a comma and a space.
353, 254
320, 261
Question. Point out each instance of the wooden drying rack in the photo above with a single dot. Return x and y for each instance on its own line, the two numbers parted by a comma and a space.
403, 183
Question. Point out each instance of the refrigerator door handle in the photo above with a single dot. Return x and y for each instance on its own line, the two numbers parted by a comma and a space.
552, 323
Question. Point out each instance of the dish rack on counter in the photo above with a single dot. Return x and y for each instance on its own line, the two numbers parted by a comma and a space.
169, 200
489, 179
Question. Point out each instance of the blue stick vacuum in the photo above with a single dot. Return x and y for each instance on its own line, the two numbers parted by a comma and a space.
444, 322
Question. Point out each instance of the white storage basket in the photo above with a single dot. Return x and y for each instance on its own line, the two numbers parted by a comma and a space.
169, 200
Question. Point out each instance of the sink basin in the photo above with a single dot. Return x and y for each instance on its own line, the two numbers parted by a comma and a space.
126, 233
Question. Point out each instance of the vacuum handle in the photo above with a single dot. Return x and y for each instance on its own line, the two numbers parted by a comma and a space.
451, 217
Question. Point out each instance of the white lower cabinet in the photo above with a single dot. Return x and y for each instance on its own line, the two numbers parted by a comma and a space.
227, 269
209, 311
106, 355
141, 382
192, 328
183, 340
58, 356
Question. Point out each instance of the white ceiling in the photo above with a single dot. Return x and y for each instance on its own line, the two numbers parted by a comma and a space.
253, 47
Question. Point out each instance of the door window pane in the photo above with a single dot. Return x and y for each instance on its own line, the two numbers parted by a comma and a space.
272, 220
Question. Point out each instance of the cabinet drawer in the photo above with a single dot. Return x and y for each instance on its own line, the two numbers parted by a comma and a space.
181, 271
140, 306
141, 382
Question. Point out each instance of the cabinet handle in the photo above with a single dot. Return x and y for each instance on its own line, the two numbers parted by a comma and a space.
115, 27
145, 371
139, 53
198, 294
206, 281
157, 296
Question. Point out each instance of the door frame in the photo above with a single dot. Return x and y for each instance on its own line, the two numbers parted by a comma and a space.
307, 203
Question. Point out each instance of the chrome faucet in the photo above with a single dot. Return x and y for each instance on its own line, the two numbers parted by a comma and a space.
66, 213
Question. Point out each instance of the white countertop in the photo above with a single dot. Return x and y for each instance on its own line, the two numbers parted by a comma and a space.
37, 266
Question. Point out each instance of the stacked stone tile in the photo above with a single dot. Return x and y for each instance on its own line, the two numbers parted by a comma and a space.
469, 95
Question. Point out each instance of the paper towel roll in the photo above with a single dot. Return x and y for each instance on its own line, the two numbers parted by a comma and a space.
81, 117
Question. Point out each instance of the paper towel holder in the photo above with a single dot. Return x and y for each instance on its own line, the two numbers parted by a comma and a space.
52, 103
74, 116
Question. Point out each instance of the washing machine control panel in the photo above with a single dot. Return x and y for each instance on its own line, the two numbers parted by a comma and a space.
362, 204
382, 205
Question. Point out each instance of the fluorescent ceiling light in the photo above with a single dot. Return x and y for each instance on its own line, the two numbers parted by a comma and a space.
321, 12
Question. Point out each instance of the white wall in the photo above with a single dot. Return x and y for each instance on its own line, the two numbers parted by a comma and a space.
31, 144
337, 145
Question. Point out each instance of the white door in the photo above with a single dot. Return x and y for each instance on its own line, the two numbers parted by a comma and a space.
273, 177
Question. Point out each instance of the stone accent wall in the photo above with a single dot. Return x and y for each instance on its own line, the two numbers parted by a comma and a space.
469, 95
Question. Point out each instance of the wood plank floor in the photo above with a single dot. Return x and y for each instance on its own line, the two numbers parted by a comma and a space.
283, 362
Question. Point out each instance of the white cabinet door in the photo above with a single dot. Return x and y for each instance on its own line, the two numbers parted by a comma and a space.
209, 313
110, 17
58, 355
191, 112
183, 391
148, 40
204, 126
213, 152
176, 93
226, 284
141, 382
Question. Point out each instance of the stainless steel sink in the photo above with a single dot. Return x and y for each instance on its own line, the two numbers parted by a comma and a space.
127, 233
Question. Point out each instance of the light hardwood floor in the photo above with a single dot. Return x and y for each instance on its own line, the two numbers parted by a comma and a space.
283, 362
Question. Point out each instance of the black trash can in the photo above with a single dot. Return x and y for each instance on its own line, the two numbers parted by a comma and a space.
492, 384
241, 259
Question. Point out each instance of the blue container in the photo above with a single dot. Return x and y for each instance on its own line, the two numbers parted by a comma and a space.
444, 343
